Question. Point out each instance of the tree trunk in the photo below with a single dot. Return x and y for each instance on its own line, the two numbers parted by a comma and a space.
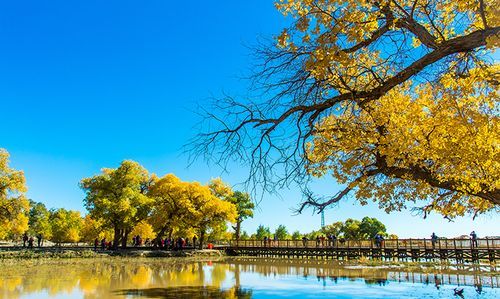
116, 239
160, 234
126, 232
202, 238
237, 230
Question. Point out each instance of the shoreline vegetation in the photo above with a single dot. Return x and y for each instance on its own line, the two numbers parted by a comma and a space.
60, 255
68, 253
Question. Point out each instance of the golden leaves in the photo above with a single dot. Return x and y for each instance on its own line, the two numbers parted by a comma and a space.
450, 131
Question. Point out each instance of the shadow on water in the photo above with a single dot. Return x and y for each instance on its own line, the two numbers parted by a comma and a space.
187, 292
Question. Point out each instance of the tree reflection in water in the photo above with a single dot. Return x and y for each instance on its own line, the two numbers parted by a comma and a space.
188, 292
227, 278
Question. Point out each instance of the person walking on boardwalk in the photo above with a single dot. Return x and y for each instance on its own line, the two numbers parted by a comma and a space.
30, 242
378, 240
103, 244
434, 239
304, 241
194, 242
473, 238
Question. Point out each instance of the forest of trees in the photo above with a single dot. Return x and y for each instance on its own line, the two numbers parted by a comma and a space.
351, 229
122, 203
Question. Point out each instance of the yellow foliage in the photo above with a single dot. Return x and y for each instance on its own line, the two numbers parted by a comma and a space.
183, 206
412, 144
144, 230
13, 204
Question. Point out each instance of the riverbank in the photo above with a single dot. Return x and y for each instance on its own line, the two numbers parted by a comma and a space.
63, 253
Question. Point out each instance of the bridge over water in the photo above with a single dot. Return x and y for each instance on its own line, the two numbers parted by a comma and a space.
457, 250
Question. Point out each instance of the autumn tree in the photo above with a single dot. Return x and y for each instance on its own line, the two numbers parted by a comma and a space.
144, 230
171, 206
210, 208
13, 204
39, 220
118, 198
244, 236
333, 229
296, 235
262, 231
244, 207
370, 227
396, 100
94, 229
65, 225
351, 230
281, 233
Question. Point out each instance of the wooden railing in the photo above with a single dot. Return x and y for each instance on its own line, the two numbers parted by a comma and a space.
365, 244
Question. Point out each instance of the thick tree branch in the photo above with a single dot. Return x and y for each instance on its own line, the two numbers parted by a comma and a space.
419, 173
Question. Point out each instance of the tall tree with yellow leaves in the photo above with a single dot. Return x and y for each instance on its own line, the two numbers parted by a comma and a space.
13, 204
395, 99
66, 225
209, 207
118, 198
171, 205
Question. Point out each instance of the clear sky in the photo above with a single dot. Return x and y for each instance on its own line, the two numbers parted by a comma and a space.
87, 84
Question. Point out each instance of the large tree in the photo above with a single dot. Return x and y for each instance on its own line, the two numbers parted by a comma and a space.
65, 225
209, 210
370, 227
244, 207
39, 220
13, 204
395, 99
281, 233
170, 206
262, 231
118, 198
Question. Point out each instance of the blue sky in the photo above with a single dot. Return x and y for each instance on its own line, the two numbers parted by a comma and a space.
87, 84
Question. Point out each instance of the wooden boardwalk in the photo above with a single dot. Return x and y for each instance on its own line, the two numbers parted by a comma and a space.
455, 250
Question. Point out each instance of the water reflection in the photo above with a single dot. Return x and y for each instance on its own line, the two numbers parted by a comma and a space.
195, 292
233, 278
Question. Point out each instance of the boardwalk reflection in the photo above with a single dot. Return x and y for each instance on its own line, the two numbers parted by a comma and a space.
148, 278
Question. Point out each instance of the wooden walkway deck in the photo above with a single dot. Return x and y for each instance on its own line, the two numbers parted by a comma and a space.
458, 250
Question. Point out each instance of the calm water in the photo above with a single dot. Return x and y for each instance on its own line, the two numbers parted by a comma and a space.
235, 278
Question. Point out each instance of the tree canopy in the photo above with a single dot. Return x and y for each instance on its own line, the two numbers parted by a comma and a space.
396, 100
210, 207
13, 204
118, 198
244, 208
65, 225
262, 231
39, 220
281, 233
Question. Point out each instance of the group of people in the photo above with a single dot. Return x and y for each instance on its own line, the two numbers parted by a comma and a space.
167, 243
29, 240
